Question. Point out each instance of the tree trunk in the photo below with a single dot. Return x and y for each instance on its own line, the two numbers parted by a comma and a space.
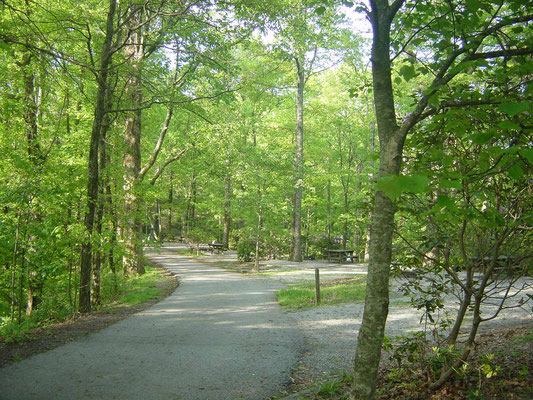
346, 212
227, 214
307, 232
372, 126
98, 255
372, 330
170, 234
96, 281
92, 170
190, 213
259, 225
21, 286
298, 165
132, 228
31, 114
114, 228
328, 214
367, 245
157, 221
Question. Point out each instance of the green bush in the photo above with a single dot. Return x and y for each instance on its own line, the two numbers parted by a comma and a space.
15, 333
246, 250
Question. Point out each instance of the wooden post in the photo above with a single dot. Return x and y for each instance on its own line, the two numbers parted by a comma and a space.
317, 286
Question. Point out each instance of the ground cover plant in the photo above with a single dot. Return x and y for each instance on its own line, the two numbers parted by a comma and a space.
501, 368
302, 295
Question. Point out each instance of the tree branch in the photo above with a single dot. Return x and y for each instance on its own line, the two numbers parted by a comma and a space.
500, 53
158, 145
444, 74
160, 170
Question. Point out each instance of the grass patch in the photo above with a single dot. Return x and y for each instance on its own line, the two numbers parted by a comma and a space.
184, 252
302, 295
140, 296
139, 289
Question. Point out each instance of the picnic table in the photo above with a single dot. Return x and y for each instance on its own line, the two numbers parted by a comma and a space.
215, 247
503, 263
341, 255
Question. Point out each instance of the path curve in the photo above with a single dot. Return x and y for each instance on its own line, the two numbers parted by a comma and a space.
220, 335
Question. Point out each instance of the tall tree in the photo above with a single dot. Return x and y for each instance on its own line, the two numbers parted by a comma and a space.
92, 169
459, 44
305, 32
134, 52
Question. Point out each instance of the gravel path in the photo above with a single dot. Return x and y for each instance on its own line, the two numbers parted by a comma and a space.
221, 335
331, 331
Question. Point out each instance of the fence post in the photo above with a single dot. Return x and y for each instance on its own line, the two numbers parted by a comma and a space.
317, 286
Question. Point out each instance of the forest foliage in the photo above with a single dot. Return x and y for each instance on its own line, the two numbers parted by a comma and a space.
253, 124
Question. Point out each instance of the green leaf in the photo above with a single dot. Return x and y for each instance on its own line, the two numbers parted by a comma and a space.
508, 125
428, 91
393, 186
445, 201
515, 172
445, 183
414, 183
408, 72
528, 154
529, 89
512, 109
511, 150
390, 185
482, 137
320, 10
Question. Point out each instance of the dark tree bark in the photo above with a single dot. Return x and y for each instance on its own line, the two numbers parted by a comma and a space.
103, 160
328, 214
93, 170
113, 241
36, 157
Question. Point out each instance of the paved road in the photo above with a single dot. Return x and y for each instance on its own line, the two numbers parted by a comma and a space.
219, 336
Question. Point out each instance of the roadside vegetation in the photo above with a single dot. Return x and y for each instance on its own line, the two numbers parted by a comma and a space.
124, 292
139, 289
500, 368
302, 295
